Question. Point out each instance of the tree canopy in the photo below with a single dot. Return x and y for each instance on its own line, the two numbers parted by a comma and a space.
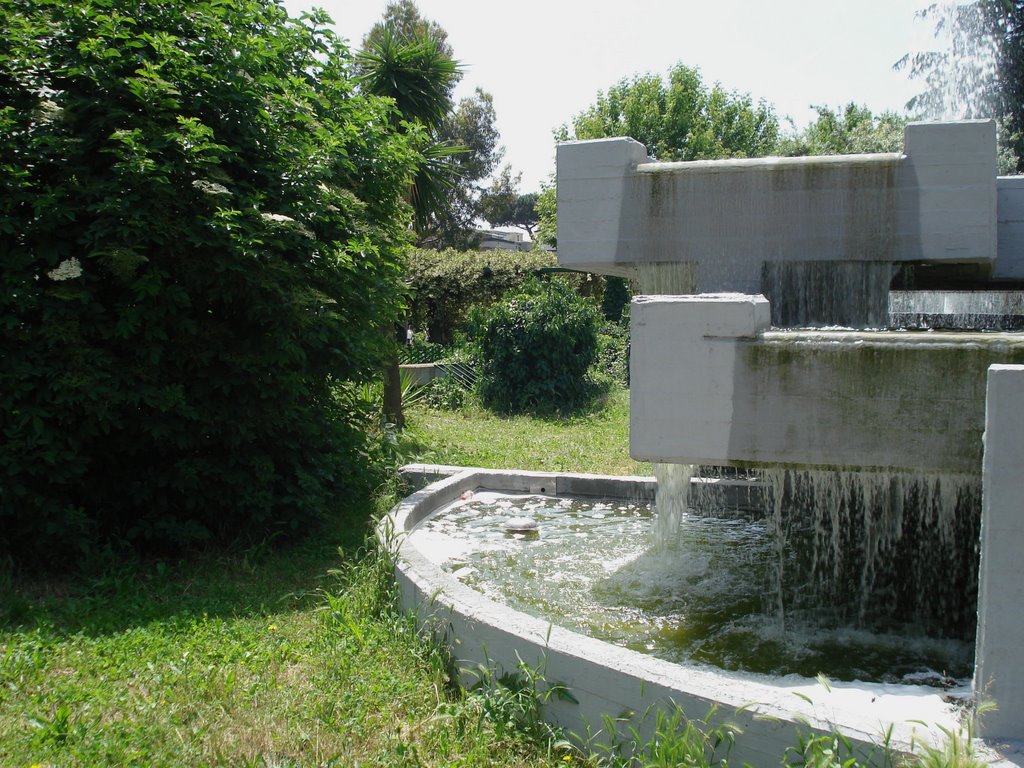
503, 205
203, 222
853, 130
680, 118
464, 142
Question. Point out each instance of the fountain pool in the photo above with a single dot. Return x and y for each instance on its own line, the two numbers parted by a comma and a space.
608, 680
714, 595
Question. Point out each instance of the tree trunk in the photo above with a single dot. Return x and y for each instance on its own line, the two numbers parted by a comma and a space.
393, 393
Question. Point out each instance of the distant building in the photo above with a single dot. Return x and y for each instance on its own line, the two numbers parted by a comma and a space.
501, 240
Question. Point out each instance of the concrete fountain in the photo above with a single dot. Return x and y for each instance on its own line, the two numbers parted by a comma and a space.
752, 351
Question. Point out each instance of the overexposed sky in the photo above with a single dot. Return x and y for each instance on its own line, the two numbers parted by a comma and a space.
545, 60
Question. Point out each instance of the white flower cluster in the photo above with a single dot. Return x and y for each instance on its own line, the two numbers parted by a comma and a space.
210, 187
280, 220
68, 269
276, 218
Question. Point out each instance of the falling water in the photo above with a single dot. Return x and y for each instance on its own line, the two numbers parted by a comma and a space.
667, 278
960, 71
815, 293
879, 548
670, 504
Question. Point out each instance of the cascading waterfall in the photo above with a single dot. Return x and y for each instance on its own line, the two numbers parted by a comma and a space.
667, 278
878, 549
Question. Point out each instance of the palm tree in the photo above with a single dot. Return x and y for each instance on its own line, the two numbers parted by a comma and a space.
418, 74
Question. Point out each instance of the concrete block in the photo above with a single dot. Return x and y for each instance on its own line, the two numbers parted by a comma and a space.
934, 203
711, 385
1010, 227
999, 674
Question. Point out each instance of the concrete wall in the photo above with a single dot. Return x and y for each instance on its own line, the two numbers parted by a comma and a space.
937, 202
711, 385
999, 673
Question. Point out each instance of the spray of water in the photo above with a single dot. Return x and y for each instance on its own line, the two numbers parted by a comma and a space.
959, 71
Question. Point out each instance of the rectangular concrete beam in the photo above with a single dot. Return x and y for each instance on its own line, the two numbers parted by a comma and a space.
936, 202
711, 385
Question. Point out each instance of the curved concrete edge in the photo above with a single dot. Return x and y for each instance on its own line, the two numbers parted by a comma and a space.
609, 681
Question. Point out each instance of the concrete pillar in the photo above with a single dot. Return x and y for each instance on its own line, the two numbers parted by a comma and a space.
999, 660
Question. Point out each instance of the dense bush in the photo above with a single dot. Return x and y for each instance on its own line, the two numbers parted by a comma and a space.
612, 360
536, 347
200, 242
444, 285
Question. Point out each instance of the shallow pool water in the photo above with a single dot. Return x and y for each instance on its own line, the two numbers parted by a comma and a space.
711, 596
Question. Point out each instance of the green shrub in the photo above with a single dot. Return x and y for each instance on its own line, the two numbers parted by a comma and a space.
420, 350
444, 285
200, 236
536, 347
445, 393
613, 350
615, 299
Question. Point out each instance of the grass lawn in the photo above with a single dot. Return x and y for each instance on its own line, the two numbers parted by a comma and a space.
261, 658
270, 657
596, 440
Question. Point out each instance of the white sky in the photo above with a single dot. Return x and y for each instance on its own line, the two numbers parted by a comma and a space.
545, 60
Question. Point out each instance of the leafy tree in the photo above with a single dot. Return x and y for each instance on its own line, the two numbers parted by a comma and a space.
504, 206
980, 72
202, 226
418, 76
680, 118
470, 125
855, 130
402, 19
547, 215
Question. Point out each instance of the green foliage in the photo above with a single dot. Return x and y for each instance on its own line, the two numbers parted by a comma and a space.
547, 215
402, 18
408, 58
681, 118
513, 702
613, 350
444, 285
677, 741
855, 130
536, 347
421, 350
503, 206
201, 234
615, 300
446, 393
